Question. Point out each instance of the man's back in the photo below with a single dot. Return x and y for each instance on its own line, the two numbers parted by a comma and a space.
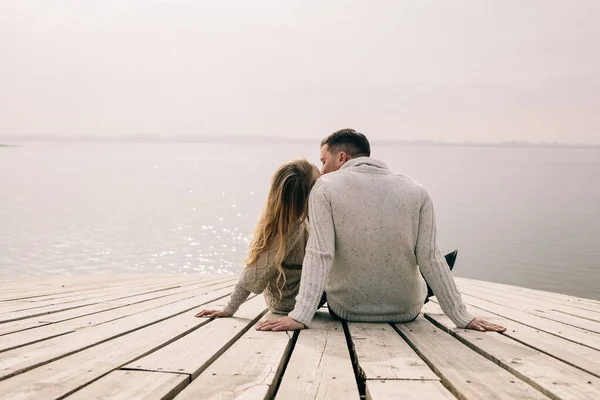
376, 219
372, 232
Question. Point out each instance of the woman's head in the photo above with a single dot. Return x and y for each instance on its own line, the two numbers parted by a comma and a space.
286, 208
290, 187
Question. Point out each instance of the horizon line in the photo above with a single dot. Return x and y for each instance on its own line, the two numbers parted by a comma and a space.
191, 138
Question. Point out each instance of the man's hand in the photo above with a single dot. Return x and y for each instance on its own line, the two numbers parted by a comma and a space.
280, 324
212, 314
482, 325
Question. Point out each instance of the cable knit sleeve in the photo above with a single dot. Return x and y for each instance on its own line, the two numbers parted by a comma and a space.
318, 260
434, 268
238, 296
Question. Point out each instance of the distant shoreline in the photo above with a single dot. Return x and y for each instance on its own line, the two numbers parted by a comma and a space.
12, 141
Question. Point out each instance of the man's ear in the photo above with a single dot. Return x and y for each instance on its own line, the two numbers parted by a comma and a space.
342, 157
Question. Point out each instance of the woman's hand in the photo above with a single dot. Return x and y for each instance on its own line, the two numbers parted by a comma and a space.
280, 324
212, 314
482, 325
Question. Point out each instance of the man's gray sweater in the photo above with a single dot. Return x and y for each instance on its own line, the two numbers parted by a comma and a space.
371, 231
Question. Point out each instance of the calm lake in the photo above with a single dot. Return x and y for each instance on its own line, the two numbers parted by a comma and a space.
528, 217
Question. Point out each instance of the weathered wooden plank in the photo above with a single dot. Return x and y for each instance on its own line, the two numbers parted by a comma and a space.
133, 385
572, 333
320, 366
565, 350
95, 286
552, 306
58, 281
73, 297
549, 375
69, 374
534, 308
570, 306
200, 287
60, 316
544, 295
101, 293
465, 373
117, 297
383, 354
24, 324
13, 305
390, 367
168, 280
69, 285
19, 339
407, 390
194, 352
18, 360
247, 370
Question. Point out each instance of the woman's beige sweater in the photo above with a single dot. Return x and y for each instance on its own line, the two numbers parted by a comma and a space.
261, 277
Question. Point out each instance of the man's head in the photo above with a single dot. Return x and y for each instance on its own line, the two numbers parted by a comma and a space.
342, 146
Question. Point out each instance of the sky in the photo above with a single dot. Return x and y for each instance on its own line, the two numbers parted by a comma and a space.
453, 71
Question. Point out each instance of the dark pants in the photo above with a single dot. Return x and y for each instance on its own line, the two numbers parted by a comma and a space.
322, 303
450, 259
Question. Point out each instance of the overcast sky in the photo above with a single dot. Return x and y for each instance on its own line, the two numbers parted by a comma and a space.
484, 71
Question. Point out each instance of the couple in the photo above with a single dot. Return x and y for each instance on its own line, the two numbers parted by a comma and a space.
372, 241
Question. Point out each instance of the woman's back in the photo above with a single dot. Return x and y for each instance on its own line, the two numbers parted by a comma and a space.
274, 263
261, 277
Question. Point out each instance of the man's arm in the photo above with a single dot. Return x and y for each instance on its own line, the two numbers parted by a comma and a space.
317, 264
435, 270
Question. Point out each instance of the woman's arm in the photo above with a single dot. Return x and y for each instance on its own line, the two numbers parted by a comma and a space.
255, 278
238, 296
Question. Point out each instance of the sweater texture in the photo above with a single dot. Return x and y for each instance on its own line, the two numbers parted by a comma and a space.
261, 277
372, 231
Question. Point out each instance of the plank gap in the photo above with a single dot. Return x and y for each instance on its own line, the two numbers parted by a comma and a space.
282, 366
507, 334
444, 380
161, 371
39, 364
359, 374
35, 341
228, 345
575, 315
499, 363
537, 315
483, 308
403, 379
137, 358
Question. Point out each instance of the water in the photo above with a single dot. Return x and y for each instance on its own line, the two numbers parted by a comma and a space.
528, 217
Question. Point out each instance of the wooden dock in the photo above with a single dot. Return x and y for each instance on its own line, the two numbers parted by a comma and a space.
135, 337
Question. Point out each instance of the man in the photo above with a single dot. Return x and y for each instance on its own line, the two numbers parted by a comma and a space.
372, 235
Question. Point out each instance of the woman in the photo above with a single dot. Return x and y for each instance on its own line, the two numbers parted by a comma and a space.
274, 264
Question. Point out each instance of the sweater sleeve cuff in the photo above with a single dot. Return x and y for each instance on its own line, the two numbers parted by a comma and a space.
231, 309
238, 296
462, 318
301, 316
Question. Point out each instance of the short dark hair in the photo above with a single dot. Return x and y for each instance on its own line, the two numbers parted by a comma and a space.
353, 143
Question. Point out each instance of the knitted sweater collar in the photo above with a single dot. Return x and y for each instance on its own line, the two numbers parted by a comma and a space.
358, 161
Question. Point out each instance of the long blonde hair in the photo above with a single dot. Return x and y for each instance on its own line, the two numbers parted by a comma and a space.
286, 208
